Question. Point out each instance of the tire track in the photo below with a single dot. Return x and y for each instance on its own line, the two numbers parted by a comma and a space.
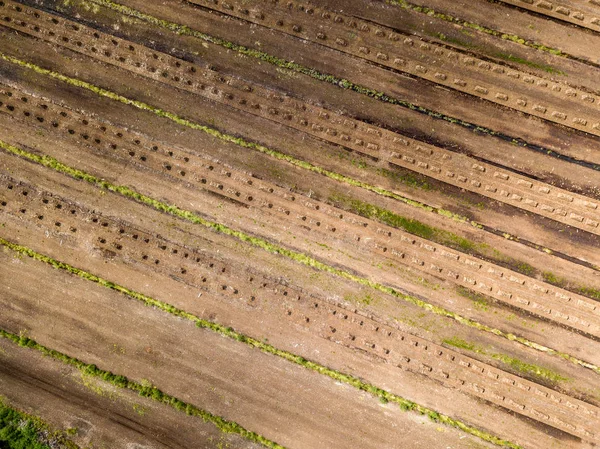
459, 170
116, 239
513, 88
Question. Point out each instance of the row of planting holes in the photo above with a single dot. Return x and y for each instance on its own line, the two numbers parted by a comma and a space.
121, 231
137, 142
143, 158
23, 210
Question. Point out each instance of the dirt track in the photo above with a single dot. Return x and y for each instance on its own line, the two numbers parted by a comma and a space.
437, 242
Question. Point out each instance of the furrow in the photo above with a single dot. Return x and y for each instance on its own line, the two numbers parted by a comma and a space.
513, 88
323, 223
405, 351
578, 12
453, 168
291, 254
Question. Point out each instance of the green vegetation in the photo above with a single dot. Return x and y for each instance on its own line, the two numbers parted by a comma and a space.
425, 231
480, 301
409, 178
453, 40
534, 65
366, 300
462, 344
553, 279
590, 292
528, 369
19, 430
526, 269
383, 215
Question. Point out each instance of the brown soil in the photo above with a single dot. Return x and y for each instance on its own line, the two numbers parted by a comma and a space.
444, 265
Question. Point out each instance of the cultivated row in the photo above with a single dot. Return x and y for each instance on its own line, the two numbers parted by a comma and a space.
245, 289
506, 86
315, 219
447, 166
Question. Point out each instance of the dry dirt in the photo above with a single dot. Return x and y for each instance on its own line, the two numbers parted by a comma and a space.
383, 217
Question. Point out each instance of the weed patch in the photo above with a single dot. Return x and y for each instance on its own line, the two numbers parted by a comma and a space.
479, 301
516, 364
19, 430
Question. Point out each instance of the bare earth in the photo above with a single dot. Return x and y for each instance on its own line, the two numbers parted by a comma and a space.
384, 216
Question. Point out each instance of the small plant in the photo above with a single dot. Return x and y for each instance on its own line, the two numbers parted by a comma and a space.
553, 279
526, 269
19, 430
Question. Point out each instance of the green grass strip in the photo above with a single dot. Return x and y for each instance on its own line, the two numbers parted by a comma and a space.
20, 430
148, 391
229, 332
457, 21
